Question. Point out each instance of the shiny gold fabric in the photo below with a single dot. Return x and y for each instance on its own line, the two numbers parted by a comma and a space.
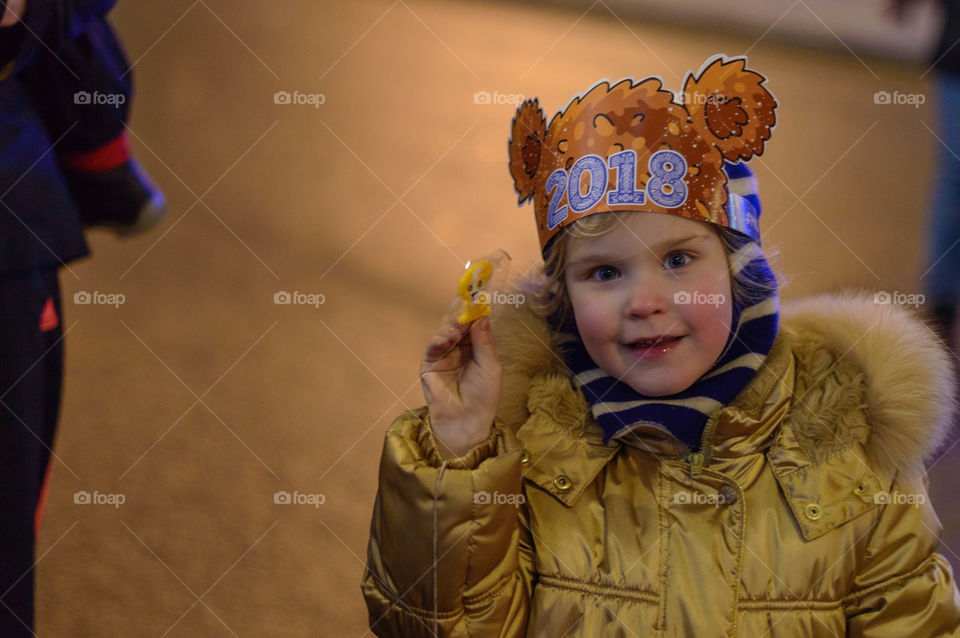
628, 540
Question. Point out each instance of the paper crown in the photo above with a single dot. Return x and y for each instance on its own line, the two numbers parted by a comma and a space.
632, 147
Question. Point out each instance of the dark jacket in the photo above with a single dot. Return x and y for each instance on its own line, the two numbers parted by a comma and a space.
947, 56
39, 224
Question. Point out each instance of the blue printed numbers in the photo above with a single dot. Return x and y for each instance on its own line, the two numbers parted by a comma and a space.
626, 164
556, 186
594, 166
666, 186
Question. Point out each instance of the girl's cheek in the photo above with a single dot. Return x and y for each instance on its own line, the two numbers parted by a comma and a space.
593, 321
714, 283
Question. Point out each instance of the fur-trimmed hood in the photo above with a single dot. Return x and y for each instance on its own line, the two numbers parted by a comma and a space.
865, 372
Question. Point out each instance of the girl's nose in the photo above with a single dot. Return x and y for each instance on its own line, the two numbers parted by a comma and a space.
647, 299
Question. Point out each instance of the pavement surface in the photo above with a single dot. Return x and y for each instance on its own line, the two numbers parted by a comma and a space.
200, 398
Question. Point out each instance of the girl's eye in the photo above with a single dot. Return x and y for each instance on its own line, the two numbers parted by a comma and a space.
676, 260
604, 273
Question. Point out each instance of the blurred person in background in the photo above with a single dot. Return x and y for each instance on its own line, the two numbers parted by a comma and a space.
65, 165
943, 240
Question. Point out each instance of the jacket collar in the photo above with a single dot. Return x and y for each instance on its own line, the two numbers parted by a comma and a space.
564, 448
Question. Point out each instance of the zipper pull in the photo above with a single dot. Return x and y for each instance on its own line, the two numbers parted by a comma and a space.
696, 464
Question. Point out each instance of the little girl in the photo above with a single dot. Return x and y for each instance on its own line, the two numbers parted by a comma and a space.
650, 449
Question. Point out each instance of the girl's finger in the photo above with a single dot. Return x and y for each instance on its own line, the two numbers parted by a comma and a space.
484, 347
438, 349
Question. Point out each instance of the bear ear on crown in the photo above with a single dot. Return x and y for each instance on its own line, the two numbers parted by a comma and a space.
730, 108
526, 147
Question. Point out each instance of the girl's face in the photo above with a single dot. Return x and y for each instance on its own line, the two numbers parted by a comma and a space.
653, 276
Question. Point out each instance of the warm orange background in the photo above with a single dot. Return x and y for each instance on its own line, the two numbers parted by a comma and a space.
375, 199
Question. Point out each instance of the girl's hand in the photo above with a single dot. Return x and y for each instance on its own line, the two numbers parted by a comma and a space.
461, 378
15, 10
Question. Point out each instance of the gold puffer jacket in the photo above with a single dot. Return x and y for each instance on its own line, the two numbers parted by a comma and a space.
806, 515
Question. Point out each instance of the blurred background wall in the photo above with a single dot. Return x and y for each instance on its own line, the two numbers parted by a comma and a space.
200, 398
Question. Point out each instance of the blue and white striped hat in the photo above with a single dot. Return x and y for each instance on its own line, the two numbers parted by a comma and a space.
743, 202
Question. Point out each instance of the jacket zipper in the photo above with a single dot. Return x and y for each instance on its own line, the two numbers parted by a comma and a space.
698, 459
696, 464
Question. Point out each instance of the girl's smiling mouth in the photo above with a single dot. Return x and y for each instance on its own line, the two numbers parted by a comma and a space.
654, 348
649, 341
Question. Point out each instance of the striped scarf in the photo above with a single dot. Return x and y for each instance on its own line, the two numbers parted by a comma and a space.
618, 408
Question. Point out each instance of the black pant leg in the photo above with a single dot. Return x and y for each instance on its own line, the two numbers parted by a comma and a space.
31, 372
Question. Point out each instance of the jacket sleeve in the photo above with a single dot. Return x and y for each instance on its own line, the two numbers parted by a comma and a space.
449, 552
46, 24
904, 587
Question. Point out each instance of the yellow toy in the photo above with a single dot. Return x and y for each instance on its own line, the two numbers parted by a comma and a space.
471, 290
